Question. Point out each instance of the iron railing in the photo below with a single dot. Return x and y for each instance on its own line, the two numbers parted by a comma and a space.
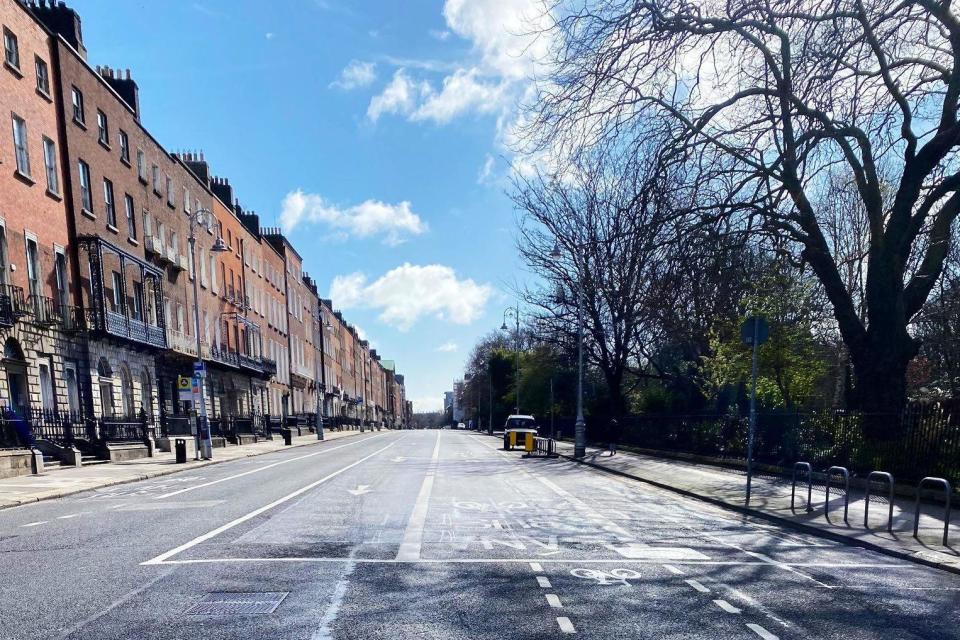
11, 304
922, 440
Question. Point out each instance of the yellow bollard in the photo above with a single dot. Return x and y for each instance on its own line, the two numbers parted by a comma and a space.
513, 439
528, 445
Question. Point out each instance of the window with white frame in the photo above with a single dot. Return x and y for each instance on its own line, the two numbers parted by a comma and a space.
109, 204
20, 145
11, 49
130, 212
103, 129
50, 165
76, 99
43, 76
86, 197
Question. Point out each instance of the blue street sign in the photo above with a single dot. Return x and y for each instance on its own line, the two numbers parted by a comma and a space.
198, 366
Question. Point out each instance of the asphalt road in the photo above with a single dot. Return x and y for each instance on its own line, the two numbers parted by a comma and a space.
437, 535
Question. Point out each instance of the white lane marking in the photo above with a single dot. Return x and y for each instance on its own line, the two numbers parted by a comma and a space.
674, 570
696, 584
360, 490
259, 469
756, 605
36, 524
160, 559
412, 543
324, 632
565, 625
67, 517
726, 606
536, 566
763, 633
544, 582
554, 601
497, 525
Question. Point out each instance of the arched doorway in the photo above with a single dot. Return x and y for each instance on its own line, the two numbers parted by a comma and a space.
126, 392
146, 394
105, 386
15, 364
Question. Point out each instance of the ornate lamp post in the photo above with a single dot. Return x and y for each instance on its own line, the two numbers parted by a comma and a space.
321, 384
514, 312
204, 441
580, 427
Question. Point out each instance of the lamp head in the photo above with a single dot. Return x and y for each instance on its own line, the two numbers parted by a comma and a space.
503, 327
219, 246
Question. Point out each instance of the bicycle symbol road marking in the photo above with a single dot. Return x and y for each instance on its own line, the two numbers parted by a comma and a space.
614, 576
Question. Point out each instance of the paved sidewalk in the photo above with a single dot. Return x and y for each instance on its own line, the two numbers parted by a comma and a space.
771, 498
65, 481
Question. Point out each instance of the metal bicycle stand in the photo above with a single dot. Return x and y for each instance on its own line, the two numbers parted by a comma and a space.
866, 504
793, 489
946, 515
846, 491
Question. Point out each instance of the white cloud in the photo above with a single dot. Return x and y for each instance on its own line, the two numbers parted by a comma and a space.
462, 92
400, 96
356, 74
440, 34
410, 292
394, 222
269, 35
448, 347
486, 171
508, 39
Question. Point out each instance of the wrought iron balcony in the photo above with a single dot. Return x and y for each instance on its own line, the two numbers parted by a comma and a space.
45, 311
269, 367
120, 326
223, 355
11, 305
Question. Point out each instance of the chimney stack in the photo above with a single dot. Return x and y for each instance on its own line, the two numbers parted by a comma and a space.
62, 20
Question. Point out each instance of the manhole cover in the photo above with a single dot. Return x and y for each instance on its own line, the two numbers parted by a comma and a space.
234, 604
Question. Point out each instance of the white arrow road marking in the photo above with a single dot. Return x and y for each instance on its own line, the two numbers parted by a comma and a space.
360, 490
398, 459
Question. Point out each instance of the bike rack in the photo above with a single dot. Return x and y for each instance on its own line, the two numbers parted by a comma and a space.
793, 490
946, 517
866, 504
846, 491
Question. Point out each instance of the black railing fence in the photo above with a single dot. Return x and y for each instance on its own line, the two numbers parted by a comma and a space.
22, 428
924, 440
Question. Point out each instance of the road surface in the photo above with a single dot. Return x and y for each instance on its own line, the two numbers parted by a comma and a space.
430, 534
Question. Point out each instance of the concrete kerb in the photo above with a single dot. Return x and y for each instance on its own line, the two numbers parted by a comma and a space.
191, 464
796, 526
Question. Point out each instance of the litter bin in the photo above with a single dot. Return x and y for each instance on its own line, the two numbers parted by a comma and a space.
287, 437
180, 446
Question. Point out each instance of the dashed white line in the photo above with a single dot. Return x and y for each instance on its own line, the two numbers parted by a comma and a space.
674, 570
66, 517
35, 524
536, 566
726, 606
544, 582
554, 601
565, 625
760, 631
697, 585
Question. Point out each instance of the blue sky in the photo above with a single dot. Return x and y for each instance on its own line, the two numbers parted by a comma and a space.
376, 132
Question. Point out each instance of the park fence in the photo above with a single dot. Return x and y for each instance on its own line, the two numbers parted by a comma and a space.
923, 440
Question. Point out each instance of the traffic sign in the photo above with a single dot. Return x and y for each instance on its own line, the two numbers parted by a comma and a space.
198, 366
754, 326
183, 383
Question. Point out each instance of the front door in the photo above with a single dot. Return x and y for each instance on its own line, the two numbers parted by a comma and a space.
19, 403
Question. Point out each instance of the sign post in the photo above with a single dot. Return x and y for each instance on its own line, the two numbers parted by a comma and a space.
754, 332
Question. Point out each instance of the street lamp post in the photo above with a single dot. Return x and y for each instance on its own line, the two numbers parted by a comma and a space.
204, 441
322, 383
515, 313
580, 427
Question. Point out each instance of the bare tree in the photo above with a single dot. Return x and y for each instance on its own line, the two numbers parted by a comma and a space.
591, 233
762, 105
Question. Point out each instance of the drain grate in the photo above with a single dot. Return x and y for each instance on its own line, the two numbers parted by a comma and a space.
237, 604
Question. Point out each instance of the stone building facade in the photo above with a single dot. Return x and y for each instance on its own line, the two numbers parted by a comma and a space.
117, 257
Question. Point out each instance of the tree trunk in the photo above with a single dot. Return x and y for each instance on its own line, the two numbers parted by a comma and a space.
880, 382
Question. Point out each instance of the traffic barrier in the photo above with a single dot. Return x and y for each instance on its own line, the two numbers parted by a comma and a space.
793, 489
846, 491
543, 448
947, 489
866, 503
